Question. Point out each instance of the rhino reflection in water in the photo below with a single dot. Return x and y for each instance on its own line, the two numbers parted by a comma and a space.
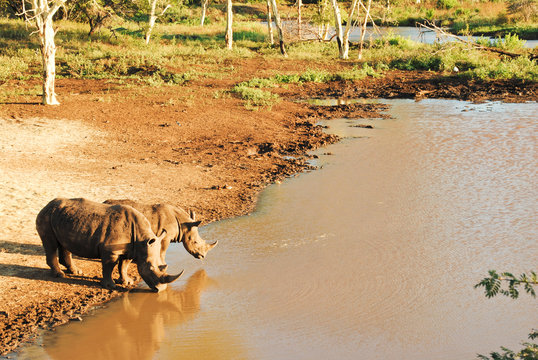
133, 328
112, 233
178, 225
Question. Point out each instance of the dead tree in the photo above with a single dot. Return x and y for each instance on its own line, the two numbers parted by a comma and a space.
339, 30
205, 3
349, 25
279, 28
229, 19
363, 27
270, 23
42, 13
153, 17
430, 26
299, 19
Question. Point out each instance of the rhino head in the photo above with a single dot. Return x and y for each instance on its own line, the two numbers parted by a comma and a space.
148, 260
193, 243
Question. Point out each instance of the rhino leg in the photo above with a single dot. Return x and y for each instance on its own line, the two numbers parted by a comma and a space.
164, 246
67, 261
125, 279
52, 262
108, 266
51, 245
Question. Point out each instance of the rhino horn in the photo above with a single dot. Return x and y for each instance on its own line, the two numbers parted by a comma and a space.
163, 234
166, 279
211, 246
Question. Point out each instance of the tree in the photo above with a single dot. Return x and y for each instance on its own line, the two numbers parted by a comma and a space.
205, 3
363, 26
493, 285
278, 27
153, 17
42, 13
345, 40
270, 23
339, 30
229, 19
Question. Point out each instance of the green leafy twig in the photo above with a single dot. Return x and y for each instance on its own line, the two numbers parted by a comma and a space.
493, 284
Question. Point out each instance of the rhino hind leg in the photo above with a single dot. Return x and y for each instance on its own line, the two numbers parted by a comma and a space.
51, 245
67, 261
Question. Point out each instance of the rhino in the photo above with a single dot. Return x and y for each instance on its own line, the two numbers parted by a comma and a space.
112, 233
179, 226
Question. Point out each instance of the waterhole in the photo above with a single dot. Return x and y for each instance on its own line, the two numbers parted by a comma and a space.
374, 256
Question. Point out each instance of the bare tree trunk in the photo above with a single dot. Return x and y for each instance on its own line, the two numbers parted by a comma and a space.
323, 27
42, 13
299, 20
48, 51
348, 29
270, 23
205, 3
229, 19
279, 28
363, 28
339, 31
152, 19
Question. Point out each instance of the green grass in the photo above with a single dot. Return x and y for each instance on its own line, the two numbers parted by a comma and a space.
180, 53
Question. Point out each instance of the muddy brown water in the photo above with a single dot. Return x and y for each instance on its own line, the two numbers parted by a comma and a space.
372, 257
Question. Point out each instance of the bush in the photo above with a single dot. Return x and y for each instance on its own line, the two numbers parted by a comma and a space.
525, 9
510, 42
447, 4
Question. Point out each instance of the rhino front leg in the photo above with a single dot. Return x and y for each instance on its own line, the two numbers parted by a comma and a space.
108, 266
125, 279
67, 261
164, 246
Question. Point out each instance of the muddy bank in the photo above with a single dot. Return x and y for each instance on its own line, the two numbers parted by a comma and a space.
181, 144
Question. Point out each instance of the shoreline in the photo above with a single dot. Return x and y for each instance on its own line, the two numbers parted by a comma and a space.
211, 155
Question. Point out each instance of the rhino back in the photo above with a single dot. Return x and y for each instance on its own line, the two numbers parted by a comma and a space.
160, 216
85, 227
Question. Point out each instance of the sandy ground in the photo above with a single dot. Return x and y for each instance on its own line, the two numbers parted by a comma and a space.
176, 144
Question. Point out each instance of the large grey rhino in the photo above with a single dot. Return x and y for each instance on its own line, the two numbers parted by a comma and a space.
179, 226
112, 233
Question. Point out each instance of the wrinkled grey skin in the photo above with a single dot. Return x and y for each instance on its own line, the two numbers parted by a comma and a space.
112, 233
179, 226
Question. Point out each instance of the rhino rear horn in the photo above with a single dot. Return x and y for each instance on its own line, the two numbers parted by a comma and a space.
166, 279
163, 234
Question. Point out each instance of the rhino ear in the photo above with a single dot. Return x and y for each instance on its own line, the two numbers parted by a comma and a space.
192, 224
192, 215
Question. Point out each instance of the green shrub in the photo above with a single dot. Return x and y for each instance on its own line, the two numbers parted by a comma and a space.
510, 42
255, 96
447, 4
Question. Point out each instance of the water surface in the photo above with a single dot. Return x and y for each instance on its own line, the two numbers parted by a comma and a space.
372, 257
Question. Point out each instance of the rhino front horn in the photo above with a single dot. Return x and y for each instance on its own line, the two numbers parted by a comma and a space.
166, 279
211, 246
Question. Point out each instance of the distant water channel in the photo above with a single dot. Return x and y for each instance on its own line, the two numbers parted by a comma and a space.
374, 256
413, 33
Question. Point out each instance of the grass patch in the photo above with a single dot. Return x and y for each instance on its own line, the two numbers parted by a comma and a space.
255, 97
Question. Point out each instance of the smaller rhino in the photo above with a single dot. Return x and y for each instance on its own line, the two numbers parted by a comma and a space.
176, 223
